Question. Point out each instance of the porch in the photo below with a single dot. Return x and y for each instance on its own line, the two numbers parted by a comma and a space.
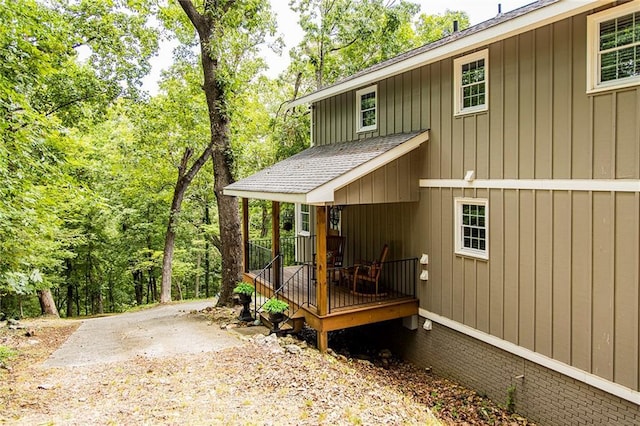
326, 178
344, 303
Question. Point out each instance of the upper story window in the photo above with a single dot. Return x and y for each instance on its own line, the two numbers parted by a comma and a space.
367, 109
472, 227
614, 48
471, 83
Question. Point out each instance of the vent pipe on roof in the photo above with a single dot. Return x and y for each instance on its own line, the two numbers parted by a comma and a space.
455, 26
499, 8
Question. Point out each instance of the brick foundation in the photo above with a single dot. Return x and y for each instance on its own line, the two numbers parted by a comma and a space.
542, 395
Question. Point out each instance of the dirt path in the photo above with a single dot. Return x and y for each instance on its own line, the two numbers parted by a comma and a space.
175, 365
157, 332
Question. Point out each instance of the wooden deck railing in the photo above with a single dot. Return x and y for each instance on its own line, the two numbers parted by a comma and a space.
397, 281
298, 284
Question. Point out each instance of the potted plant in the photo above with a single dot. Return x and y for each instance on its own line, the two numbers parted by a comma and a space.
275, 308
244, 292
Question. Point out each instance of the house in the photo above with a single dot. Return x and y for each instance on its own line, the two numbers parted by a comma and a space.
502, 164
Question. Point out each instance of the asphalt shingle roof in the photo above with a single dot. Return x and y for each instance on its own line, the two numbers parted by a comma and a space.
318, 165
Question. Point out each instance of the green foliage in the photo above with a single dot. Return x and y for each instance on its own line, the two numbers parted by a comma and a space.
275, 306
244, 288
430, 28
344, 36
511, 399
6, 354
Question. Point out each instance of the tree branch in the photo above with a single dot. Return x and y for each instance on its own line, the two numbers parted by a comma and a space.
194, 16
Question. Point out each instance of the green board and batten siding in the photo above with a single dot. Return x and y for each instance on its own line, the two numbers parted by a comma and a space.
562, 277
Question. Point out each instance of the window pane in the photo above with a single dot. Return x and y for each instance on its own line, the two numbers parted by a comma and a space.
624, 30
608, 34
368, 101
618, 56
369, 118
626, 62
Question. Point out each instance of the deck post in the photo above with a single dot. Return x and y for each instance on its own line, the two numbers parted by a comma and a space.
275, 242
321, 260
323, 341
245, 234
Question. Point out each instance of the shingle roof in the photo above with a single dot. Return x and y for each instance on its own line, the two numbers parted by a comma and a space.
318, 165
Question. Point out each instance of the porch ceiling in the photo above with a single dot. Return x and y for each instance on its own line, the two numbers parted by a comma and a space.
313, 175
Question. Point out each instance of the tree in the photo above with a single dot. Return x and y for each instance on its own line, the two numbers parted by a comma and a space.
434, 27
44, 91
342, 37
229, 32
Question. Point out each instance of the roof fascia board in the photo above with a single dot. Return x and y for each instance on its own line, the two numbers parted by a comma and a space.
532, 20
324, 194
269, 196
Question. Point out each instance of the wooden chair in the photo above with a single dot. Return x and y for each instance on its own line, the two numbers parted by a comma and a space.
335, 251
369, 272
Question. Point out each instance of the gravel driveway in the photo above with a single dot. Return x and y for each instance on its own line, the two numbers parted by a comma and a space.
161, 331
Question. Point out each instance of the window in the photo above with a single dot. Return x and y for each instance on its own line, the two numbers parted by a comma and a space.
471, 74
614, 48
367, 109
304, 219
472, 227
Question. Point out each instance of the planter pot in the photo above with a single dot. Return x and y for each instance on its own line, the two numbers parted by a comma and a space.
245, 314
244, 298
276, 319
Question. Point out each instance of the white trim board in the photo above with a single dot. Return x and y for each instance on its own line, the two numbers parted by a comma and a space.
607, 185
552, 364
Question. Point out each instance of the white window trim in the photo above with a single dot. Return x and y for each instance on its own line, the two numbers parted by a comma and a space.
301, 231
359, 93
457, 209
457, 87
593, 47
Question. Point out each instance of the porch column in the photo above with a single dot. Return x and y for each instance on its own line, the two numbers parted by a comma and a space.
321, 260
275, 242
245, 234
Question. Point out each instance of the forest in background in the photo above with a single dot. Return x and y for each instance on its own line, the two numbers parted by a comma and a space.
89, 162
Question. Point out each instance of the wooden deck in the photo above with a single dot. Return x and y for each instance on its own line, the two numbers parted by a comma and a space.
346, 308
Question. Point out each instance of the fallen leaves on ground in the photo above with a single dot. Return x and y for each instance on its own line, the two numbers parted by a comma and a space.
246, 385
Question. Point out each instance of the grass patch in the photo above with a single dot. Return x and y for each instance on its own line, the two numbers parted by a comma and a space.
6, 354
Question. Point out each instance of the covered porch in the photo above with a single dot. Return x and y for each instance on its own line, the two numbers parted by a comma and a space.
332, 295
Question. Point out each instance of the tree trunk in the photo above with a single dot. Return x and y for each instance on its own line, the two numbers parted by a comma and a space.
198, 264
138, 287
47, 304
229, 220
69, 300
69, 288
170, 236
207, 265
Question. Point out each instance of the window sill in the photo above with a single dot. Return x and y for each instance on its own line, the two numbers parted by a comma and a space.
471, 111
473, 256
612, 87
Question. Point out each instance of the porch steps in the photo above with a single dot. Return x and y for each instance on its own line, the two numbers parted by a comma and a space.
291, 325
